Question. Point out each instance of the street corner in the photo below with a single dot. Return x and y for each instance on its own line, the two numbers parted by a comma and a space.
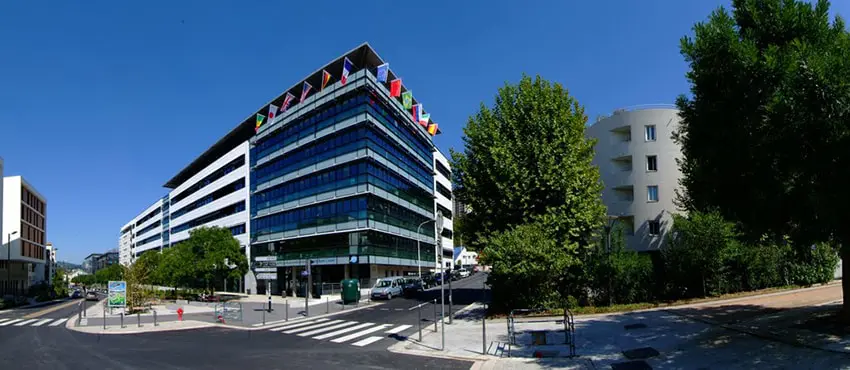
145, 328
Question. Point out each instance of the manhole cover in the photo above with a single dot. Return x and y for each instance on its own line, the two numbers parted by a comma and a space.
631, 365
635, 326
640, 353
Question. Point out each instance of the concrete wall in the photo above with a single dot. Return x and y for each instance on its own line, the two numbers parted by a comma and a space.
621, 154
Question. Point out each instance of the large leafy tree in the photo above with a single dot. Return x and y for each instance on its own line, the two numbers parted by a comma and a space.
526, 159
217, 255
765, 133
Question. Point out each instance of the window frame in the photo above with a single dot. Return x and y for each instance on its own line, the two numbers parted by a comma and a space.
649, 227
654, 159
649, 192
646, 129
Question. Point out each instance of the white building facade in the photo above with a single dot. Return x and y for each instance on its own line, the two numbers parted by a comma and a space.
637, 157
24, 225
443, 203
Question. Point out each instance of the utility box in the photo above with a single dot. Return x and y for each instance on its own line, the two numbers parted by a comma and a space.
350, 291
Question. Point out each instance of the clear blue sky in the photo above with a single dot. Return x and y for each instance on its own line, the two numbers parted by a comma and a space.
101, 103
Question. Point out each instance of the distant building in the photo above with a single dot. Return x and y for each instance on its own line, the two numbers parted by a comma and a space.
464, 257
24, 230
105, 260
90, 263
49, 263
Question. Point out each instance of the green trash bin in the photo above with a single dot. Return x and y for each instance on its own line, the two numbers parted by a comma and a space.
350, 291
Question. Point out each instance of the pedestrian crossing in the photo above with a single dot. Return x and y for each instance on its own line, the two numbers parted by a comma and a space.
31, 322
358, 334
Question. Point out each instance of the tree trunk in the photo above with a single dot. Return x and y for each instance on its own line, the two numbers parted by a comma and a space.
845, 281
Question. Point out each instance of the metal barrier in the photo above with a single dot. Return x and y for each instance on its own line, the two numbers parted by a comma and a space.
228, 311
568, 321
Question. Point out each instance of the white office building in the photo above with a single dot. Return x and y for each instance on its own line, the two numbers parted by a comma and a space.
636, 157
443, 203
23, 255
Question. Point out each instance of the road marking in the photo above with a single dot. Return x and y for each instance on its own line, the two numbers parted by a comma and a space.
10, 322
42, 322
1, 320
359, 334
51, 309
367, 341
399, 309
57, 322
385, 309
317, 331
311, 327
270, 323
299, 324
343, 331
399, 329
22, 323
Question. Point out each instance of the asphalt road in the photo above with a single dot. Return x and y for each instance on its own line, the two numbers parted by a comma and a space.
55, 347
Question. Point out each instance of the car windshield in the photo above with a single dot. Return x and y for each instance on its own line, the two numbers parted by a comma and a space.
383, 283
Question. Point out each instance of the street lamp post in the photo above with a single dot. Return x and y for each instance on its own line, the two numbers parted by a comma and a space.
418, 253
9, 259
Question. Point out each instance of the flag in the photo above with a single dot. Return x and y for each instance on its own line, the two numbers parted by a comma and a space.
383, 72
432, 129
286, 101
417, 110
407, 99
272, 111
346, 69
260, 119
325, 78
304, 91
424, 119
395, 87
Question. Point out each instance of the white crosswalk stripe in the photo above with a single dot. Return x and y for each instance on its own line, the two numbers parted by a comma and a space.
359, 334
311, 327
296, 325
22, 323
58, 322
42, 322
329, 328
1, 320
398, 329
366, 341
10, 322
343, 331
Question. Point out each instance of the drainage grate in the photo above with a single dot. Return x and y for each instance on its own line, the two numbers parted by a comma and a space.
635, 326
631, 365
640, 353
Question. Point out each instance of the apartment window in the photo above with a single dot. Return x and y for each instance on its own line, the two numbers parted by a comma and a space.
650, 132
654, 227
652, 193
652, 163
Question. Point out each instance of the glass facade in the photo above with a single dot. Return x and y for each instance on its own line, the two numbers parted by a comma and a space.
376, 126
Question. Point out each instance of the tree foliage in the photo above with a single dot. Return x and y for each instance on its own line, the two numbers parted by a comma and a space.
526, 160
109, 273
617, 274
210, 255
771, 82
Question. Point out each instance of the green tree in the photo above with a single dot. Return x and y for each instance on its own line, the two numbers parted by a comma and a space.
178, 267
149, 263
770, 83
109, 273
618, 275
526, 263
60, 285
206, 259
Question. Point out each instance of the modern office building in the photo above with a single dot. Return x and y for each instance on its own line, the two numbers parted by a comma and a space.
336, 171
90, 263
636, 157
48, 268
105, 260
444, 203
24, 226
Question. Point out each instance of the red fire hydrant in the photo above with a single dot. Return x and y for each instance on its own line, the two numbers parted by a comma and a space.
180, 314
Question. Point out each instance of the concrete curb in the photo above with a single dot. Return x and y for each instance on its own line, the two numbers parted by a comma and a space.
191, 324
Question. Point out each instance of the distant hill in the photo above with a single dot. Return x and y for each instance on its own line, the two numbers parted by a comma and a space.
68, 266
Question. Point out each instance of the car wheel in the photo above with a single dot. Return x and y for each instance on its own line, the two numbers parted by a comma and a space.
389, 296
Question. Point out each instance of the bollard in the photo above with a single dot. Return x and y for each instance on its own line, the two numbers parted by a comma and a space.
138, 320
286, 303
264, 317
484, 320
84, 308
104, 316
420, 322
154, 318
435, 315
122, 320
327, 304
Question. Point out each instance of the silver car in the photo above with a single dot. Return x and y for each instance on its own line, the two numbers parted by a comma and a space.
387, 288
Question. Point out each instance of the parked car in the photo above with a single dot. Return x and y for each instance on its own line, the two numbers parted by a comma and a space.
91, 296
428, 280
386, 288
412, 286
76, 294
463, 273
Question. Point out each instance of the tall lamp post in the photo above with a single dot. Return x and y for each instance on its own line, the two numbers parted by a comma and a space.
418, 252
611, 220
9, 259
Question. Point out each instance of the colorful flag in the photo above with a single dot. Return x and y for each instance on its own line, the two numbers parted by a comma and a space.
304, 91
325, 78
407, 99
260, 119
383, 72
432, 129
272, 111
395, 87
416, 111
346, 69
286, 101
424, 119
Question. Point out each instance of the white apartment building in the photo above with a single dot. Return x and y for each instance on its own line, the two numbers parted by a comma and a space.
212, 191
24, 229
636, 157
465, 258
443, 203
